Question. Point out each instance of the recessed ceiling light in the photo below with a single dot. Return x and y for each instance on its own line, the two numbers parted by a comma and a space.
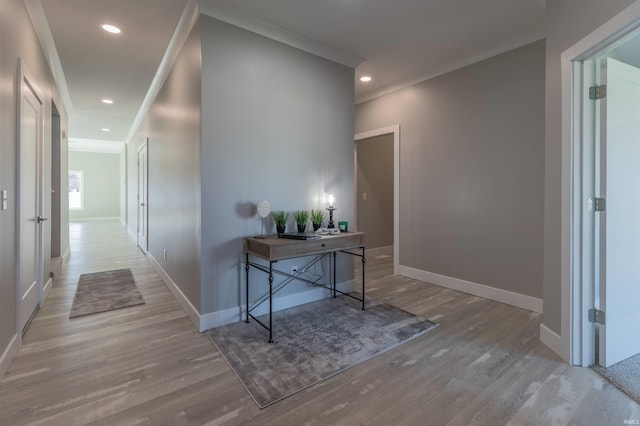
105, 129
111, 29
365, 78
107, 101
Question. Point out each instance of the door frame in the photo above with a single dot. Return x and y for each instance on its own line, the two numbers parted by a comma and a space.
144, 147
395, 130
576, 344
24, 76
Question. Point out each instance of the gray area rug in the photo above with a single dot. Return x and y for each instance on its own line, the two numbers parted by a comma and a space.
625, 375
312, 342
105, 291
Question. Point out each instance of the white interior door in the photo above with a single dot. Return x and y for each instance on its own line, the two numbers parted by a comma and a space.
143, 198
619, 182
30, 220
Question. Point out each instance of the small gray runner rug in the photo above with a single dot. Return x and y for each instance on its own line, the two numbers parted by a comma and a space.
105, 291
311, 343
625, 375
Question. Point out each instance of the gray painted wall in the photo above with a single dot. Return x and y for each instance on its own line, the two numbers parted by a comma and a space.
472, 170
568, 21
18, 39
375, 178
101, 184
278, 126
173, 128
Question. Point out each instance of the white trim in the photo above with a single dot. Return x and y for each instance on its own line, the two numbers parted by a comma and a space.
259, 26
65, 256
186, 305
123, 223
553, 341
8, 354
395, 129
92, 219
374, 251
43, 32
24, 77
46, 290
95, 145
187, 20
133, 235
144, 149
226, 316
574, 334
220, 318
393, 87
492, 293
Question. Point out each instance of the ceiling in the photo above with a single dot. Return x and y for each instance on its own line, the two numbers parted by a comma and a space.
100, 65
399, 43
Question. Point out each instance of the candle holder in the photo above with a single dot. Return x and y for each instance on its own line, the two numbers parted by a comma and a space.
331, 225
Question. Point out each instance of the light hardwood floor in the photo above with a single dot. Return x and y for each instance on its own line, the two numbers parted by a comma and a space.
148, 365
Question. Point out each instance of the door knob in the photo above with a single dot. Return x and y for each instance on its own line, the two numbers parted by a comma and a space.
142, 204
41, 219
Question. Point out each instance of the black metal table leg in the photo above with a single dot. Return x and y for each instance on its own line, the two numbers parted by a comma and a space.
246, 269
270, 302
363, 262
334, 274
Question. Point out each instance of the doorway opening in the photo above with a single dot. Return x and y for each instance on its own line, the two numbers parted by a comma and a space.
377, 187
30, 201
143, 197
601, 150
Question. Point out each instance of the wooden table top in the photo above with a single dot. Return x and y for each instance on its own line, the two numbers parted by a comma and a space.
274, 248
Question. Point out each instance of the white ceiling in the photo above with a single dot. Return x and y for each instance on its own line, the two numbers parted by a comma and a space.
405, 41
400, 42
100, 65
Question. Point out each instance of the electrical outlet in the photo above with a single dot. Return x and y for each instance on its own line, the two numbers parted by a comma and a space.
164, 254
294, 270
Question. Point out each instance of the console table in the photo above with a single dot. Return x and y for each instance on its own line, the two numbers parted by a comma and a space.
273, 249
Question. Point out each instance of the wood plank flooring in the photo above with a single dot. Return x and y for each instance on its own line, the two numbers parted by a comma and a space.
147, 365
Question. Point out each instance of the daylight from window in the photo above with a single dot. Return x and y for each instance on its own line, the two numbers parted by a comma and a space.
76, 190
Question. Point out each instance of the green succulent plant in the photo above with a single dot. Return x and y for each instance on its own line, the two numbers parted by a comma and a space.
301, 217
280, 217
317, 216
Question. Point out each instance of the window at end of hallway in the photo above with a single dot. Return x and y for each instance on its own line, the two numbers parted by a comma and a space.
76, 190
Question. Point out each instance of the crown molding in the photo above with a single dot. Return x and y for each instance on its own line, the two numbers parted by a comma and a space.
187, 20
43, 32
393, 87
266, 29
95, 145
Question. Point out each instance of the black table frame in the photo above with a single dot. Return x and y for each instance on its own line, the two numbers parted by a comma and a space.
270, 270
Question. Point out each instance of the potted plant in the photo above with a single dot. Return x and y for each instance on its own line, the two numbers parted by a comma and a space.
280, 218
301, 217
317, 216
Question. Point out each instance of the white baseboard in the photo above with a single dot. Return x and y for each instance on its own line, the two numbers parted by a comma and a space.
186, 305
220, 318
66, 255
93, 219
132, 234
503, 296
123, 223
378, 250
8, 354
47, 289
553, 341
226, 316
